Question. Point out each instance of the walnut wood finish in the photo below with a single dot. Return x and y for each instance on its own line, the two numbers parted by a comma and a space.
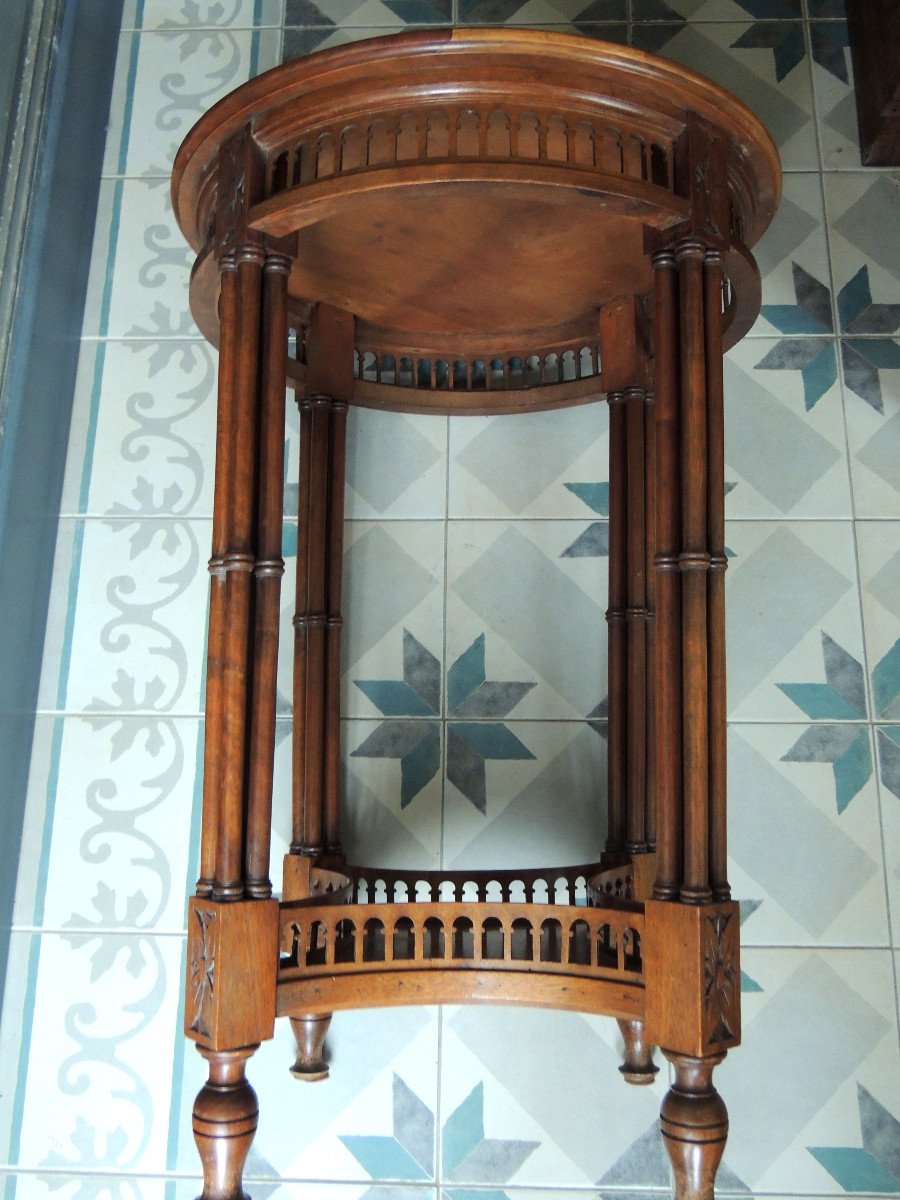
226, 1114
694, 1123
638, 1068
594, 208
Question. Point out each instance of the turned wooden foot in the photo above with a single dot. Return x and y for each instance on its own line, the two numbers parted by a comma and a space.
638, 1066
226, 1114
694, 1123
310, 1033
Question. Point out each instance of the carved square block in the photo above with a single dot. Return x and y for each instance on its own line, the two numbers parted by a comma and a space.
232, 960
692, 974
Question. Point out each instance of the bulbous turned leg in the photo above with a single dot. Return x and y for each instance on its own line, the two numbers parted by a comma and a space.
694, 1123
226, 1114
310, 1033
638, 1066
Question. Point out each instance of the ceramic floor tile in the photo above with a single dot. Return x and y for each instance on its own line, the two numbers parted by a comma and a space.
143, 438
527, 600
140, 265
549, 465
298, 42
872, 411
713, 10
108, 824
133, 637
831, 1085
350, 1191
878, 544
392, 791
207, 14
524, 794
784, 430
822, 880
392, 591
764, 64
301, 13
167, 77
866, 265
396, 465
540, 12
104, 1014
887, 741
833, 93
379, 1098
560, 1118
826, 8
792, 611
792, 256
68, 1186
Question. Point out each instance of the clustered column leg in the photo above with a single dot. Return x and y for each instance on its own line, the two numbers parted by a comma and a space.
233, 921
691, 932
631, 811
318, 624
630, 798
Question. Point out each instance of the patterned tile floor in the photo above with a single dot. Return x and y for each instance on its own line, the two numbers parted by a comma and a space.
465, 706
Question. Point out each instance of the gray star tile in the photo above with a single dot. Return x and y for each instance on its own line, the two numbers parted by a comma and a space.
776, 595
812, 869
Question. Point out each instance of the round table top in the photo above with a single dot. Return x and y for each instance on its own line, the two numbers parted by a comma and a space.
473, 197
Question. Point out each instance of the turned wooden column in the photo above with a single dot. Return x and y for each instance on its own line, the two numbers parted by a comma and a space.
232, 920
691, 932
318, 621
630, 763
689, 704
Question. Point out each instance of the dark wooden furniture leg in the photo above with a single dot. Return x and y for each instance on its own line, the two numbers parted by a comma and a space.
694, 1123
317, 623
233, 921
692, 929
226, 1114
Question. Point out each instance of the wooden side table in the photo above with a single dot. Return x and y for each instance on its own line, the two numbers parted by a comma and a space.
475, 221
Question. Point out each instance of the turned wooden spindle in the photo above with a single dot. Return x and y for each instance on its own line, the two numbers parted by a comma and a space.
236, 565
638, 1067
694, 564
650, 601
268, 570
213, 758
226, 1114
309, 1032
712, 289
667, 668
300, 740
636, 623
337, 454
694, 1124
617, 740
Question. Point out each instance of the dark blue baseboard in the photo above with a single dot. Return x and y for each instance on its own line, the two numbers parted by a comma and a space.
40, 387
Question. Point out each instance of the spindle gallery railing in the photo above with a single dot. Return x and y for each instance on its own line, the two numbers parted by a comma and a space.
578, 920
491, 369
525, 369
588, 884
442, 134
603, 943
